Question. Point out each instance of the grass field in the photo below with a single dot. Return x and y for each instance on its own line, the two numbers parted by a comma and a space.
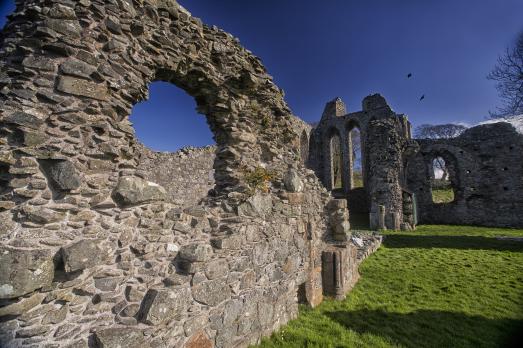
442, 195
440, 286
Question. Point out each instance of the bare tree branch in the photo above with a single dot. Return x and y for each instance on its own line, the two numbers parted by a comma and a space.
439, 131
508, 74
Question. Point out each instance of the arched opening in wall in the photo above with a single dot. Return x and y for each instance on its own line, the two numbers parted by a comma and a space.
304, 147
179, 148
441, 184
336, 162
168, 121
357, 196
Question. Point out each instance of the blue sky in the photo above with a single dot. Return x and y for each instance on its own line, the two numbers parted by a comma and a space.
319, 50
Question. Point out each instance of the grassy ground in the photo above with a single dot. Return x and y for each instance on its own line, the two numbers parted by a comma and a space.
442, 195
357, 179
441, 286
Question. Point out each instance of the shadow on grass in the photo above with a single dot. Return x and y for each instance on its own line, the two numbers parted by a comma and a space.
433, 328
451, 242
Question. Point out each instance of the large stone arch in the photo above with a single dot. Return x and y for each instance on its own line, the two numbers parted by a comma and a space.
123, 48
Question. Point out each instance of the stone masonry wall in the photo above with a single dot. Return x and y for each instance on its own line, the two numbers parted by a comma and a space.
187, 174
486, 172
93, 253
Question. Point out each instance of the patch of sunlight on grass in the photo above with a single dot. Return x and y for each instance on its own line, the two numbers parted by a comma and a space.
442, 195
357, 179
438, 286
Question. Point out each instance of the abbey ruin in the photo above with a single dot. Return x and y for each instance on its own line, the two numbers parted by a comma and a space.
105, 243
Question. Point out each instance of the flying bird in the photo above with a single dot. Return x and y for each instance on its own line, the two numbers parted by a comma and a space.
409, 75
422, 97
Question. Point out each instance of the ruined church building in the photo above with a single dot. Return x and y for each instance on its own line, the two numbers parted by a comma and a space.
105, 243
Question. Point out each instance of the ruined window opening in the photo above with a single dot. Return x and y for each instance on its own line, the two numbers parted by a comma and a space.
181, 160
304, 147
441, 184
168, 120
336, 162
356, 158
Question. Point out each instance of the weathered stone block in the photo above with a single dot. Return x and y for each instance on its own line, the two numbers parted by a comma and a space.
216, 268
22, 306
196, 252
292, 181
120, 337
229, 242
164, 305
31, 138
211, 292
56, 316
24, 119
83, 254
257, 205
199, 340
7, 224
23, 271
133, 190
295, 198
72, 85
107, 284
67, 27
61, 174
77, 68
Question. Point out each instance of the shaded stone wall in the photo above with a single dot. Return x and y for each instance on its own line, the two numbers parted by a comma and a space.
486, 172
93, 252
187, 174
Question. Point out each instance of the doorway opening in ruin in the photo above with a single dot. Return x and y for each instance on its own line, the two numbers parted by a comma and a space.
179, 152
441, 184
336, 159
357, 196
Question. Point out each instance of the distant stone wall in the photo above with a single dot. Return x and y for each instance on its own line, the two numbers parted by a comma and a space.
385, 138
486, 172
187, 174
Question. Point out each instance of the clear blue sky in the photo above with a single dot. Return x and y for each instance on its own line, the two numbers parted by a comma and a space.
319, 50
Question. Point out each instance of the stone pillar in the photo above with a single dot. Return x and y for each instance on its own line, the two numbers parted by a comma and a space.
384, 145
339, 270
333, 270
339, 219
377, 216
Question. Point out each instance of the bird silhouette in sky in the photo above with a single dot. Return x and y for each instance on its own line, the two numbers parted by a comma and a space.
422, 97
409, 75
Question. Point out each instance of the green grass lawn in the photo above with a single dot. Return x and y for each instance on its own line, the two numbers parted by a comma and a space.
440, 286
442, 195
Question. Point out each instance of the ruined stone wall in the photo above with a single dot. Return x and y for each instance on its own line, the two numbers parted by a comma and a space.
385, 138
93, 253
486, 172
187, 174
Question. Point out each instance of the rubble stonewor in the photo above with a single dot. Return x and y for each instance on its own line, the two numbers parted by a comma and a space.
106, 243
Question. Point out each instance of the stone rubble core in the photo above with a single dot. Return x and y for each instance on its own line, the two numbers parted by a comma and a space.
105, 243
